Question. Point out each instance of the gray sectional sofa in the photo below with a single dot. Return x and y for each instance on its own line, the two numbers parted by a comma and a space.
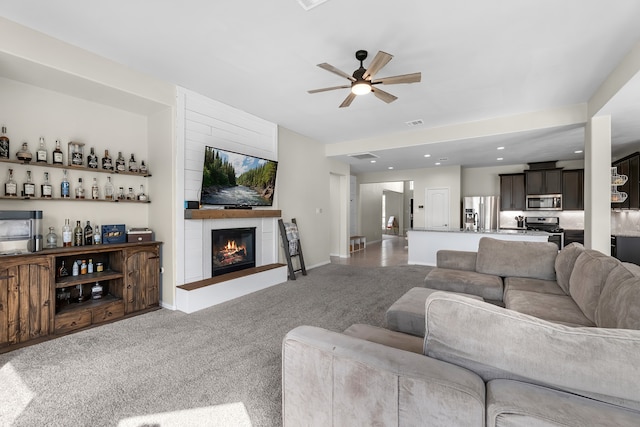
564, 349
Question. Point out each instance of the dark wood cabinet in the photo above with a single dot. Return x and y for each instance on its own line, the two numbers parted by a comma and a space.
573, 190
629, 166
545, 181
512, 192
141, 282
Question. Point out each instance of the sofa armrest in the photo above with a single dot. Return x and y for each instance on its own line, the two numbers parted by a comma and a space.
602, 364
456, 260
334, 379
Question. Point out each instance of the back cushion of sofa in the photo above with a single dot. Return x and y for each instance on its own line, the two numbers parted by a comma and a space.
588, 279
619, 303
506, 258
565, 261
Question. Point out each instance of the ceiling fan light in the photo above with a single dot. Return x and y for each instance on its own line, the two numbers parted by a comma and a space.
360, 88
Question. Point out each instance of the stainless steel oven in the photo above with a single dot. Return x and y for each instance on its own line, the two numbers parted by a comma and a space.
547, 202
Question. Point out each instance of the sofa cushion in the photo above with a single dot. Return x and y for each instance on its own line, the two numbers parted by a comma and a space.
487, 286
619, 303
565, 261
588, 278
499, 343
515, 258
516, 403
554, 308
457, 260
533, 285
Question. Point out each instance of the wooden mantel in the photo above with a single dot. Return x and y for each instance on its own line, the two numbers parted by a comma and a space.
231, 213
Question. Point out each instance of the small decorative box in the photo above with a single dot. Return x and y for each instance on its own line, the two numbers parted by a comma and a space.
113, 234
139, 235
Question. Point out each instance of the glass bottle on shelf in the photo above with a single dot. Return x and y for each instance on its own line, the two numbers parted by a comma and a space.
11, 186
88, 234
92, 160
97, 237
75, 270
28, 187
4, 144
52, 239
130, 195
83, 267
65, 191
90, 264
143, 168
78, 237
24, 154
62, 271
41, 154
57, 154
121, 195
46, 190
107, 163
109, 190
67, 234
96, 291
76, 155
141, 196
95, 190
120, 163
133, 165
79, 190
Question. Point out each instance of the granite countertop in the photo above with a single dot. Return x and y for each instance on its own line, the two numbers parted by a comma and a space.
625, 233
500, 231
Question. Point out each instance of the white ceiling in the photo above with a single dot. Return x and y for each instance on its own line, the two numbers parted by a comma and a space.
479, 60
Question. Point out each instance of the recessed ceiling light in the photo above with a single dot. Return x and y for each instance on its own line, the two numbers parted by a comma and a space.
578, 151
500, 148
373, 161
437, 163
499, 158
390, 167
427, 155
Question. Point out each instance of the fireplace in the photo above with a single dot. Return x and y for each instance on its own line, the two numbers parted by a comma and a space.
232, 249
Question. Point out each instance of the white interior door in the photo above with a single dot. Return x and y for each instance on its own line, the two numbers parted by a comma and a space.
437, 208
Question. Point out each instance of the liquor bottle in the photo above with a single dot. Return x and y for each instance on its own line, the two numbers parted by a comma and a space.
96, 291
141, 196
29, 188
143, 168
79, 190
52, 238
46, 190
24, 154
107, 163
109, 190
75, 270
92, 160
78, 237
83, 267
95, 191
90, 264
65, 192
11, 187
133, 165
67, 234
88, 234
62, 271
4, 144
97, 237
120, 163
57, 154
121, 195
76, 156
41, 154
130, 195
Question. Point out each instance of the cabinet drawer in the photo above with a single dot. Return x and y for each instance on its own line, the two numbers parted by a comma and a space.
71, 321
107, 312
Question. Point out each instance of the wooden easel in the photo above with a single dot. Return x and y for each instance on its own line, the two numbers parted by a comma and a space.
292, 247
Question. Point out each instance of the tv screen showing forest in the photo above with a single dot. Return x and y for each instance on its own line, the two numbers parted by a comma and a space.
234, 179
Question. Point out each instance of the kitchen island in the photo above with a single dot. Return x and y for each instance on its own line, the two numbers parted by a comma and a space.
424, 243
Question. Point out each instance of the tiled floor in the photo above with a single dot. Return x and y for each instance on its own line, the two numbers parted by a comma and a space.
392, 250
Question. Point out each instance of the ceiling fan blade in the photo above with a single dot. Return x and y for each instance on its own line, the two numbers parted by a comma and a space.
348, 100
325, 89
334, 70
385, 96
394, 80
380, 60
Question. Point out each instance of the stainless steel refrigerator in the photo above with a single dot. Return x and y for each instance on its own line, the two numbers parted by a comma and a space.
481, 213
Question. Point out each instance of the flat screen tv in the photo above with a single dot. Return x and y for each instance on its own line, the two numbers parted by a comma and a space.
234, 179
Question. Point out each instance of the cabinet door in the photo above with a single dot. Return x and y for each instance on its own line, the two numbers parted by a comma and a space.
623, 169
512, 194
518, 195
25, 300
553, 181
573, 190
535, 182
142, 278
634, 183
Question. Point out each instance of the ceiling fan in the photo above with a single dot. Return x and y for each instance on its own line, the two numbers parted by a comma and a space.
362, 79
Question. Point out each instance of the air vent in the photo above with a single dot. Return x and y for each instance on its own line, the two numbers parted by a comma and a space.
412, 123
310, 4
443, 159
363, 156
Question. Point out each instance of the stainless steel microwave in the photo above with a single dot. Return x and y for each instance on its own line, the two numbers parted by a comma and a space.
547, 202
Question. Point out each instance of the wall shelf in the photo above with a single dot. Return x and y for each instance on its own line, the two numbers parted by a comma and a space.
78, 168
231, 213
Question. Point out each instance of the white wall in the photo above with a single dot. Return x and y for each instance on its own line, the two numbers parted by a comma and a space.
370, 207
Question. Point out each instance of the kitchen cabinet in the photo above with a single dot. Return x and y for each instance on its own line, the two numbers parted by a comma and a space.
573, 190
626, 248
25, 299
545, 181
571, 236
629, 166
512, 192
